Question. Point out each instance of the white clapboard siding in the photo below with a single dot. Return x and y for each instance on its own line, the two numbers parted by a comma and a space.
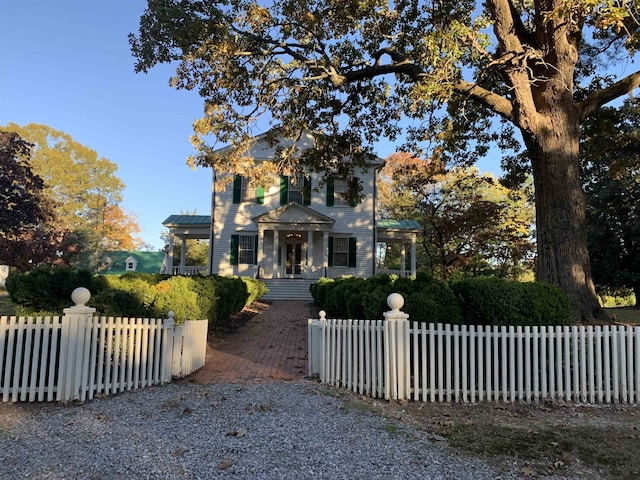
76, 357
436, 362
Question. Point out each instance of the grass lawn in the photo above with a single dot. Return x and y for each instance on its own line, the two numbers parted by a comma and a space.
629, 315
6, 307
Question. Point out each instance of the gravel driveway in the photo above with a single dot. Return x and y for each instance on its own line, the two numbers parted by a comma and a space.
284, 430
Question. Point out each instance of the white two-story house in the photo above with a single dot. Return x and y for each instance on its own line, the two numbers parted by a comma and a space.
296, 227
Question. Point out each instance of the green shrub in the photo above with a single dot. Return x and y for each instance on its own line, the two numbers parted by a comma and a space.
426, 299
255, 288
48, 289
177, 294
497, 301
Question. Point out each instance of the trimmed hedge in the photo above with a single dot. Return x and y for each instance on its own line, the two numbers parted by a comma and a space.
473, 301
496, 301
137, 294
426, 299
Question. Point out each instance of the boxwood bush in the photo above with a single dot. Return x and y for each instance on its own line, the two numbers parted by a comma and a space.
497, 301
48, 290
426, 299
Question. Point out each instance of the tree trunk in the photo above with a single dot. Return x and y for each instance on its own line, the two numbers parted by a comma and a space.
563, 258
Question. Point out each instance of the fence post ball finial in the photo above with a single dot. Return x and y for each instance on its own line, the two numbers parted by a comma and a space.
322, 314
395, 301
171, 314
80, 296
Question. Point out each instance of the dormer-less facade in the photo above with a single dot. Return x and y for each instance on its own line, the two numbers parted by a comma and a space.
295, 227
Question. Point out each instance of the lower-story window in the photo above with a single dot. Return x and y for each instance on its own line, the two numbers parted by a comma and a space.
244, 249
246, 252
342, 252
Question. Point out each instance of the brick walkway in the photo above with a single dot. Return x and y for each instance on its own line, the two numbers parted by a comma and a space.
271, 346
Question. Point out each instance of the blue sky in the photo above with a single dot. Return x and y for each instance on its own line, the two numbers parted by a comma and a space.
67, 64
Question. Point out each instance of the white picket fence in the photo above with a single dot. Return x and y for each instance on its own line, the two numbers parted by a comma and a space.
78, 355
398, 359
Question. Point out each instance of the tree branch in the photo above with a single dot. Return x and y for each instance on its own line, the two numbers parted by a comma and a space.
493, 101
600, 97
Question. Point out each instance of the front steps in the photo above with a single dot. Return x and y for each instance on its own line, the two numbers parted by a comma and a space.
296, 289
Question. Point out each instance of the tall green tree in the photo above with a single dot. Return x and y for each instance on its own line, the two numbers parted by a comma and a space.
472, 223
28, 234
610, 155
83, 185
352, 70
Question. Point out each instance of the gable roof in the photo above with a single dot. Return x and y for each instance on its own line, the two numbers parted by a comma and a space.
292, 215
148, 262
262, 150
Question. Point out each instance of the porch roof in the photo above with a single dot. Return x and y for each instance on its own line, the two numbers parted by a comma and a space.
191, 226
389, 224
394, 231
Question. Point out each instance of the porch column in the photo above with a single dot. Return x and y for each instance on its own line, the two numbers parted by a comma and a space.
170, 254
309, 254
413, 256
183, 255
325, 253
403, 259
260, 252
276, 240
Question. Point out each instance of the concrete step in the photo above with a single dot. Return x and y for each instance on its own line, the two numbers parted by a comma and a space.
288, 289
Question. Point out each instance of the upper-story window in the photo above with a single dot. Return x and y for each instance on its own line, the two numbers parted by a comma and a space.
338, 192
244, 191
295, 188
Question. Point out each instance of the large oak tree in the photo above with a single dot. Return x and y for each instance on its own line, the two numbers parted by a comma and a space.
352, 70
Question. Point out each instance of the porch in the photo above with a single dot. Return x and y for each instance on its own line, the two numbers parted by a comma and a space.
294, 242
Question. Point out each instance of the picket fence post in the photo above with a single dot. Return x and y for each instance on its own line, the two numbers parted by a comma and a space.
315, 344
396, 359
167, 348
73, 364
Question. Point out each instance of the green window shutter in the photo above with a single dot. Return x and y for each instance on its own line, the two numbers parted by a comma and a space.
306, 191
233, 255
260, 196
352, 251
237, 189
284, 189
331, 251
330, 200
255, 250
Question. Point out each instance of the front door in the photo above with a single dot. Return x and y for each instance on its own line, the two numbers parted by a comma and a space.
293, 259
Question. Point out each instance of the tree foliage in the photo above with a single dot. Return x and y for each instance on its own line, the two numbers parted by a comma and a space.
28, 235
472, 224
611, 173
351, 71
84, 187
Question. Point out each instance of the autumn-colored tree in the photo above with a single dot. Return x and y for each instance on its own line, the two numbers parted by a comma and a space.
28, 233
121, 230
351, 71
84, 186
471, 222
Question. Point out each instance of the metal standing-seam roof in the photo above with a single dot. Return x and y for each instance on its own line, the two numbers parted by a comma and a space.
176, 220
389, 224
